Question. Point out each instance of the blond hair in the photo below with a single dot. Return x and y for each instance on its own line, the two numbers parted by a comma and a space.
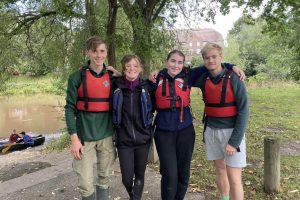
210, 46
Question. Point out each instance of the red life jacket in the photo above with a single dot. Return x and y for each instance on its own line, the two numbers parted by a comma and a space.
93, 92
13, 137
219, 98
176, 95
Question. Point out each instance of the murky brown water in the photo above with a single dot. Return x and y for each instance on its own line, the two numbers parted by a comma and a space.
42, 114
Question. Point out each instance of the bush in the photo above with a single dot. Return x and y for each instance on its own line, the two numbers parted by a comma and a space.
59, 144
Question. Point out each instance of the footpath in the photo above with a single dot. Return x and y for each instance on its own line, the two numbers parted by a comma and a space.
31, 175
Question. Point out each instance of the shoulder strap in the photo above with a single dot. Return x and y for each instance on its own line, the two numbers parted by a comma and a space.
226, 76
84, 86
164, 85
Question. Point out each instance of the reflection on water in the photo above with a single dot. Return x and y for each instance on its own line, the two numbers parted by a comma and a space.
38, 114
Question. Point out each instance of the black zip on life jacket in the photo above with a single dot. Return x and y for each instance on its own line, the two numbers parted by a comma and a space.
145, 102
173, 97
85, 97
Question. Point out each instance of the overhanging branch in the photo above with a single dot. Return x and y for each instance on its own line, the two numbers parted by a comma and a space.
26, 20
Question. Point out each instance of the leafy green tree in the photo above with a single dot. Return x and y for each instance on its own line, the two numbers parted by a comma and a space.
260, 51
282, 19
139, 27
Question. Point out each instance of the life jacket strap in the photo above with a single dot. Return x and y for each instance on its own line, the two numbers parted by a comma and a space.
226, 76
220, 104
164, 85
84, 84
94, 99
181, 109
204, 121
175, 99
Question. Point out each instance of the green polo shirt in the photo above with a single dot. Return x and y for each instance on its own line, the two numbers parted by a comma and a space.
90, 126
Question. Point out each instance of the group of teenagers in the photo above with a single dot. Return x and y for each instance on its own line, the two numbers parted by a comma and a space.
107, 110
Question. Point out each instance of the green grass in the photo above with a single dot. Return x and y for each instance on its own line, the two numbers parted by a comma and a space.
29, 85
60, 144
274, 111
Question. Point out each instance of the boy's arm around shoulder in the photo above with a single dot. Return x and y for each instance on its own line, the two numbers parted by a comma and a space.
197, 72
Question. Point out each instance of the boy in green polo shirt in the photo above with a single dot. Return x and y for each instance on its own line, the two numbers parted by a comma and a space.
89, 122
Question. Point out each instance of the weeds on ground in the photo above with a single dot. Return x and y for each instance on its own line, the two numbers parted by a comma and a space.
60, 144
274, 111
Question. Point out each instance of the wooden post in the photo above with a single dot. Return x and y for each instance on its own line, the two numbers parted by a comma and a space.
152, 156
271, 165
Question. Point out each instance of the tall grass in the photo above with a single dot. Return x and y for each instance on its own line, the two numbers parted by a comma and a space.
29, 85
60, 144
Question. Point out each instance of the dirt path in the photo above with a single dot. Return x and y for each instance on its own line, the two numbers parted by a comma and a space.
30, 174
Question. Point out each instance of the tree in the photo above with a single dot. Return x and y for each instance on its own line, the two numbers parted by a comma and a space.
142, 16
282, 18
260, 51
111, 31
150, 21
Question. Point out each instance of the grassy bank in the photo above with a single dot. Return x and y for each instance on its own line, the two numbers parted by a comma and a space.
29, 85
274, 111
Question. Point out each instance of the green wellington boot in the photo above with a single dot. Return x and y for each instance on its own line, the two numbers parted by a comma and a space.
101, 193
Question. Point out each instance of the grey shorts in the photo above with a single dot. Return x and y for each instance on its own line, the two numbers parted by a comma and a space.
216, 141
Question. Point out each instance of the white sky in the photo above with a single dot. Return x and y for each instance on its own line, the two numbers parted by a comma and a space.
225, 23
222, 23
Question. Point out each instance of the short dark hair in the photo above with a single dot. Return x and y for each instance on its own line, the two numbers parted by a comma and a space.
176, 52
93, 42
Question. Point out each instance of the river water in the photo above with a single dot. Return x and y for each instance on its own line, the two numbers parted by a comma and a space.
39, 114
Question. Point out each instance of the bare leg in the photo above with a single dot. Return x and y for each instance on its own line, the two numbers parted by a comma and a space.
222, 179
235, 182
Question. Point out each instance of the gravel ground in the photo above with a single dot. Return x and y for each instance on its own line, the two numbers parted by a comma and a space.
30, 174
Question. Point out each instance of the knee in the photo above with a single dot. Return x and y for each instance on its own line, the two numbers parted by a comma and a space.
169, 180
235, 183
221, 168
127, 182
139, 182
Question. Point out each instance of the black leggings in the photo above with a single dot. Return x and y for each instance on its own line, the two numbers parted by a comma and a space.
133, 161
175, 150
